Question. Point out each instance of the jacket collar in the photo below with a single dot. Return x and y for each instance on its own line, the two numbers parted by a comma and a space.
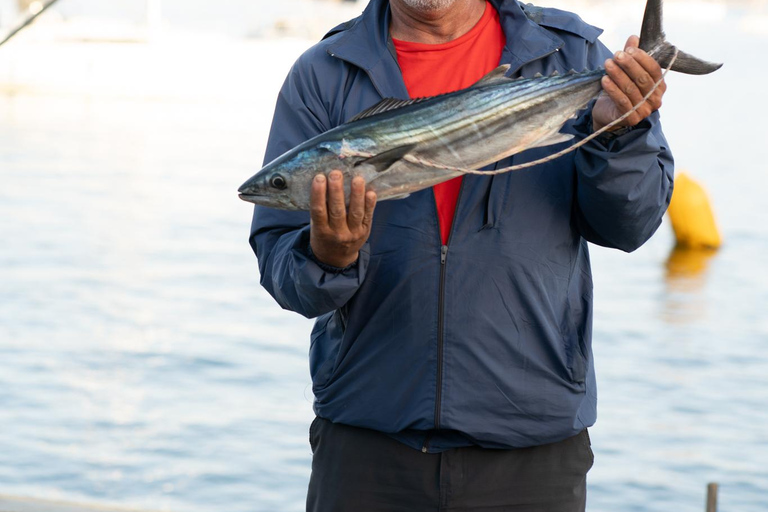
364, 44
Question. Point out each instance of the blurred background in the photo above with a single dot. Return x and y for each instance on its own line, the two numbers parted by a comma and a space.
141, 364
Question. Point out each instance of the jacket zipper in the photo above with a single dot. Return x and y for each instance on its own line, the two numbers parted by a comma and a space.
441, 314
440, 329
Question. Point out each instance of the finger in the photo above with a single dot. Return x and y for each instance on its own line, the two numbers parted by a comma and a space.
356, 203
635, 71
654, 71
337, 211
317, 210
370, 204
650, 65
617, 70
647, 62
620, 100
632, 42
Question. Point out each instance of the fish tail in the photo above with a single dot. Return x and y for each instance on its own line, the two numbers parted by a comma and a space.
654, 42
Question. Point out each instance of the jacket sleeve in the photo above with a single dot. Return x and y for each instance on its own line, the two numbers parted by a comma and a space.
280, 239
623, 185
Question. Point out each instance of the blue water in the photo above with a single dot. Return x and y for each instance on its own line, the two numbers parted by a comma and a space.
141, 364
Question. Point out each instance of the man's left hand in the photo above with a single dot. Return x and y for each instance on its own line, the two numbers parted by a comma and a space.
631, 74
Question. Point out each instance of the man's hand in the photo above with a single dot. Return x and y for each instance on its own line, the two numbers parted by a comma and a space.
631, 74
336, 235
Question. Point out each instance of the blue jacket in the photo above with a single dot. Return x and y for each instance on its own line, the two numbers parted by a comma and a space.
486, 340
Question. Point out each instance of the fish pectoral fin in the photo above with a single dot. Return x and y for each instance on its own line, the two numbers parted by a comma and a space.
498, 75
383, 161
554, 139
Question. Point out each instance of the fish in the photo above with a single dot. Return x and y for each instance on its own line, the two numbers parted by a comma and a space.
389, 143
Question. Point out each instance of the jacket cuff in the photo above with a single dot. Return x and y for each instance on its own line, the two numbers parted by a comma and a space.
605, 138
605, 141
330, 268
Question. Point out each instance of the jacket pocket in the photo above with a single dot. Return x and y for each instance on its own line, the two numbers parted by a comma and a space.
322, 349
576, 358
326, 348
576, 327
496, 201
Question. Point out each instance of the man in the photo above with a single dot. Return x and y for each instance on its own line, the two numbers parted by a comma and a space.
451, 357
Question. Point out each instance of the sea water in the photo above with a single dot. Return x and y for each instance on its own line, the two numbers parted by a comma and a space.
142, 364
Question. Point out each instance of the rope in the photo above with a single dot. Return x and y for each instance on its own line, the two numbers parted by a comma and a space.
427, 163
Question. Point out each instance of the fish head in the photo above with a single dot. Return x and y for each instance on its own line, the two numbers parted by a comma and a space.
286, 182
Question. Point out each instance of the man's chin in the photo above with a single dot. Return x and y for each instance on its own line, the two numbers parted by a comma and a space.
428, 5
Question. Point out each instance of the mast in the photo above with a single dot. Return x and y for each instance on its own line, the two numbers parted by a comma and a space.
35, 8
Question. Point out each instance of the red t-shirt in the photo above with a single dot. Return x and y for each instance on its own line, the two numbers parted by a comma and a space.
432, 69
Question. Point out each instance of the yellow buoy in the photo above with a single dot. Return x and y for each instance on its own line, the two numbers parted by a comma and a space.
691, 214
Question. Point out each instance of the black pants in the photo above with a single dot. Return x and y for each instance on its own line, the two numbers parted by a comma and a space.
360, 470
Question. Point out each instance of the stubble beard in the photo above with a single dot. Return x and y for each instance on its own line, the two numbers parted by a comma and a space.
428, 5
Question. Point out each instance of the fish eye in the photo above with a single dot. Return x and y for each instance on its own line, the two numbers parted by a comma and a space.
278, 182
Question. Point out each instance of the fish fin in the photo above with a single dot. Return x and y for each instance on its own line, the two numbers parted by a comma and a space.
385, 105
498, 75
385, 160
399, 196
554, 139
654, 42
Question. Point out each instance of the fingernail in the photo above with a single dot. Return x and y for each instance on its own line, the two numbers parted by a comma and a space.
335, 176
620, 55
630, 51
320, 178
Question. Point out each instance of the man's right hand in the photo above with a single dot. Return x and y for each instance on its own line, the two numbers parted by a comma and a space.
336, 235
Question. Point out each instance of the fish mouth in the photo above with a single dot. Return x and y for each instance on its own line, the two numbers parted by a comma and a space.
256, 199
252, 193
266, 200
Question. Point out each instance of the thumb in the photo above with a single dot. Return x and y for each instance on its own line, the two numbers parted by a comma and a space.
632, 42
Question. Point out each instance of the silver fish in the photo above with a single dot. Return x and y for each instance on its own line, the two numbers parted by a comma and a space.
491, 120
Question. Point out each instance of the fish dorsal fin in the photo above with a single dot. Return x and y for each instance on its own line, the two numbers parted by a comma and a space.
388, 104
385, 105
498, 75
